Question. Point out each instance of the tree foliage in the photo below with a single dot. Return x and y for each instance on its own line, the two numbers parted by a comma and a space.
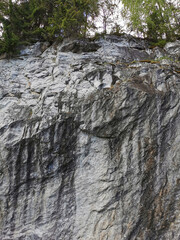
71, 18
155, 19
40, 20
28, 21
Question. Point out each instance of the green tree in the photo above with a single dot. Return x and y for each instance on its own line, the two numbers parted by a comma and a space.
40, 20
155, 19
23, 22
8, 21
39, 13
71, 18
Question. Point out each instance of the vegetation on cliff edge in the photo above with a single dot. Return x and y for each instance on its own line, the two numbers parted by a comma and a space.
29, 21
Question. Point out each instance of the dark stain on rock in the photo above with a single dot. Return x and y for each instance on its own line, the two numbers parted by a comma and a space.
51, 153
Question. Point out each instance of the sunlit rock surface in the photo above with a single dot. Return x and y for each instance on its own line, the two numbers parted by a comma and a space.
90, 141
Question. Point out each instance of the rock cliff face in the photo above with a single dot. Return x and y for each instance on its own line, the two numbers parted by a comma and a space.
90, 142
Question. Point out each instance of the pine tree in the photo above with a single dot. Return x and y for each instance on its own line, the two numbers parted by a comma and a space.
71, 18
37, 14
40, 20
8, 20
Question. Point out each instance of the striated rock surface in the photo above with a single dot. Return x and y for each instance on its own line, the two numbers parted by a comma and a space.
90, 142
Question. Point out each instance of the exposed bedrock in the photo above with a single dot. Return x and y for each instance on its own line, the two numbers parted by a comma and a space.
90, 141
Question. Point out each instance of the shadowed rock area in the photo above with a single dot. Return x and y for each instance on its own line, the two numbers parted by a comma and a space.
90, 141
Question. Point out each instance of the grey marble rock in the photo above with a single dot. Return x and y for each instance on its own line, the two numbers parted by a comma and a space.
90, 142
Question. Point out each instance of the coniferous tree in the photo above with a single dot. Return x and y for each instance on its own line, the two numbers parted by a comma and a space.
39, 13
9, 22
40, 20
28, 21
71, 18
